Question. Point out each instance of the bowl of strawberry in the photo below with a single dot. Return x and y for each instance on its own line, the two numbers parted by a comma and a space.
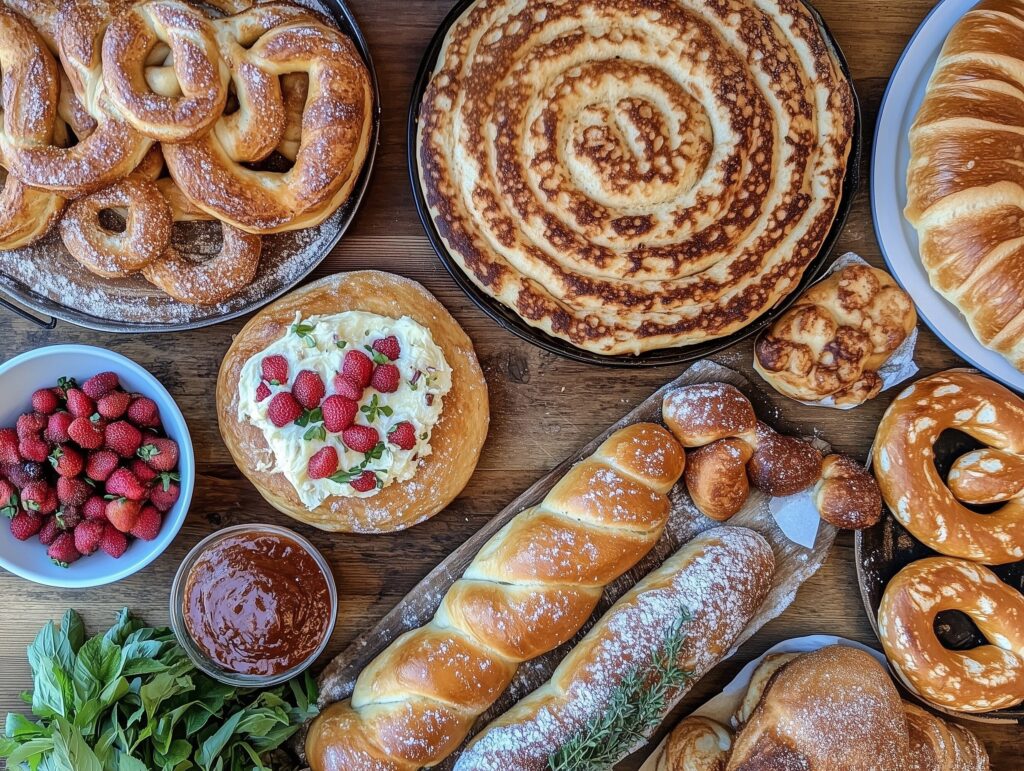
96, 466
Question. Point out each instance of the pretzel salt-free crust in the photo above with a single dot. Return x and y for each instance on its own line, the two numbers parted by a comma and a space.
903, 459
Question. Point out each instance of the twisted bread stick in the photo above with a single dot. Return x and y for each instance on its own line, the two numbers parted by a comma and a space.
529, 589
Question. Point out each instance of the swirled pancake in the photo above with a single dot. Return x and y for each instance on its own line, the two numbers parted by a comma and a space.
635, 175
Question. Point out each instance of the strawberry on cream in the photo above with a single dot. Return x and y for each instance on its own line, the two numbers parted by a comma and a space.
319, 344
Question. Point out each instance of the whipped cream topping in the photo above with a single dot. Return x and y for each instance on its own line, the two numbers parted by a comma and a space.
319, 343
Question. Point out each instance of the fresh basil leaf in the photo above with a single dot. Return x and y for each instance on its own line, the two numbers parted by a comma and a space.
178, 752
212, 747
21, 728
99, 662
162, 687
70, 750
125, 762
54, 690
51, 642
30, 752
74, 629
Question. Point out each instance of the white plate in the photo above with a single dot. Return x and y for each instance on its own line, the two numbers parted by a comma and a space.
890, 159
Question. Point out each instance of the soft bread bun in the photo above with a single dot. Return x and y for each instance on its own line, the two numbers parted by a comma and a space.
782, 465
716, 477
696, 744
456, 440
759, 680
847, 495
833, 340
706, 412
835, 708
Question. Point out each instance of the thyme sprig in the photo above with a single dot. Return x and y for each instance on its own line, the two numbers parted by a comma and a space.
636, 707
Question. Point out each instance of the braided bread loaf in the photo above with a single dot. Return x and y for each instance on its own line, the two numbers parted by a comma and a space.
964, 194
530, 589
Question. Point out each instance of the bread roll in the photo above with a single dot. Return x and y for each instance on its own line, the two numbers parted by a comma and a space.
936, 745
696, 744
759, 680
529, 589
847, 495
716, 477
719, 579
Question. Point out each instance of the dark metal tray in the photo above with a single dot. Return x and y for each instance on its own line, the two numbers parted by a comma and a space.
508, 319
46, 279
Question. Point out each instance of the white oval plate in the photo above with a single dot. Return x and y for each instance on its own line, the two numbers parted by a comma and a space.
890, 158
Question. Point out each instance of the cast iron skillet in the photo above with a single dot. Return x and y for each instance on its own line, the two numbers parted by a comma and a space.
86, 317
508, 319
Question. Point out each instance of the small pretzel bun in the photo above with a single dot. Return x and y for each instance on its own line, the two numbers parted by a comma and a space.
847, 495
716, 477
782, 465
706, 412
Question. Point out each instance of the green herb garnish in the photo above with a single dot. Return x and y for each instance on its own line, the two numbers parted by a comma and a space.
377, 356
375, 408
637, 707
315, 433
131, 700
374, 454
310, 416
304, 331
343, 477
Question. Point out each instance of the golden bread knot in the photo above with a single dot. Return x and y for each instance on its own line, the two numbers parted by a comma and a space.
836, 336
904, 462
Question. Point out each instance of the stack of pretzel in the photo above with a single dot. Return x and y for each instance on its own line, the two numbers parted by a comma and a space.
165, 111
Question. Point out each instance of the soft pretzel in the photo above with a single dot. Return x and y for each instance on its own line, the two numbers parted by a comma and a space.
836, 336
530, 588
936, 745
719, 580
903, 459
981, 679
731, 450
335, 129
696, 744
26, 214
178, 43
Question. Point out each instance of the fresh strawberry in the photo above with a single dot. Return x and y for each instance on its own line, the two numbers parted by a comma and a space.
45, 401
79, 404
25, 525
164, 496
364, 482
323, 463
360, 438
113, 541
73, 491
68, 517
123, 438
113, 405
388, 346
39, 497
100, 465
67, 461
160, 454
9, 446
101, 384
125, 484
62, 551
49, 532
95, 508
34, 448
338, 412
385, 378
147, 526
275, 369
143, 412
283, 409
57, 427
262, 391
9, 501
122, 513
358, 366
88, 535
142, 471
308, 389
403, 434
347, 387
86, 434
31, 424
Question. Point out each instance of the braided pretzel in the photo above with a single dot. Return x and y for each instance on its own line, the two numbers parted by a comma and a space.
529, 590
166, 42
912, 488
107, 148
982, 679
335, 128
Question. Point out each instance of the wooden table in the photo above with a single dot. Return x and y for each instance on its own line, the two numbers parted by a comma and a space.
536, 397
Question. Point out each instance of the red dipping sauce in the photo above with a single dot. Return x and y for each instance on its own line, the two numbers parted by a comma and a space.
257, 603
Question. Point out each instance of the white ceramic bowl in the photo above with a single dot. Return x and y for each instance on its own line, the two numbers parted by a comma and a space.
41, 368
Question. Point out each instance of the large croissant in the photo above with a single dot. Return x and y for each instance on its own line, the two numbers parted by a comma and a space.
530, 589
964, 183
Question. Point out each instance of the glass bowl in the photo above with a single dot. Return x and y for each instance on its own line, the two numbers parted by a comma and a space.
198, 656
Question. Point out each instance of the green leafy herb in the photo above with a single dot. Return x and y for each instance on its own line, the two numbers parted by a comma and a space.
374, 454
310, 416
341, 343
304, 331
377, 356
315, 433
131, 700
344, 477
636, 707
375, 408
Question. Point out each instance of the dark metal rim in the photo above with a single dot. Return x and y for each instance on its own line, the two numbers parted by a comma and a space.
18, 291
506, 318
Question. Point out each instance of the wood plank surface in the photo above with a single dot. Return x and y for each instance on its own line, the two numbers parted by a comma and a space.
543, 407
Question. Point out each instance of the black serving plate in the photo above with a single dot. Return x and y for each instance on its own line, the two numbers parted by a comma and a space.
885, 549
44, 278
511, 321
